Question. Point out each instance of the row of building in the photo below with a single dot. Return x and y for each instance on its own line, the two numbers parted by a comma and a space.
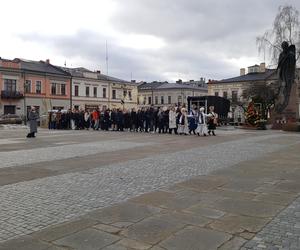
25, 83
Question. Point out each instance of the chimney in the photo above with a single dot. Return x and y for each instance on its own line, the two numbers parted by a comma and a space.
262, 67
48, 61
133, 81
179, 81
98, 71
242, 71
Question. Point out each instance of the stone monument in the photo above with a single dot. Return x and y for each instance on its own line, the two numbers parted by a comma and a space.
286, 108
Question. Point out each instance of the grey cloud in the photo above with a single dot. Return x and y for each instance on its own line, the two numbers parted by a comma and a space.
199, 35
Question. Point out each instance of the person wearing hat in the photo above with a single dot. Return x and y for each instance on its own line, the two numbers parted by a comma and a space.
32, 120
212, 122
183, 127
202, 127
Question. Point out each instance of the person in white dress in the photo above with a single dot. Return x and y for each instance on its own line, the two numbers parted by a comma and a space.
202, 126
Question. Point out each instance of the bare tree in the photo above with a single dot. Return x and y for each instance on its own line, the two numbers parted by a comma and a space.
286, 27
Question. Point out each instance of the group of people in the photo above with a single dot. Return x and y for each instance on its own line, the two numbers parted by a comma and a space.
175, 120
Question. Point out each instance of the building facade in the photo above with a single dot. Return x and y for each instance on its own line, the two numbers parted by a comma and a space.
92, 90
233, 88
161, 94
27, 83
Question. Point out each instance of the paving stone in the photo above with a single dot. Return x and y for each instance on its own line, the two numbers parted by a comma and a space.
195, 238
107, 228
157, 248
233, 244
122, 224
205, 212
153, 229
188, 218
127, 212
24, 243
88, 239
237, 224
245, 185
202, 185
247, 235
249, 208
64, 229
277, 198
70, 192
134, 244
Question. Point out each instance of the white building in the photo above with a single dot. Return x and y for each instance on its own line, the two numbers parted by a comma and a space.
170, 94
92, 90
233, 88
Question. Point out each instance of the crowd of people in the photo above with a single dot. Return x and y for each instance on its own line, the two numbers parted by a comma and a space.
170, 120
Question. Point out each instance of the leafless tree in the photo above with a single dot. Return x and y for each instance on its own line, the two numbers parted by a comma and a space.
286, 27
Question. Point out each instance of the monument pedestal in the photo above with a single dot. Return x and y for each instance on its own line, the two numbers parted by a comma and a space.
290, 115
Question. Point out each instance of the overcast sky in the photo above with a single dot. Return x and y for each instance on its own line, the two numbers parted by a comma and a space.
146, 39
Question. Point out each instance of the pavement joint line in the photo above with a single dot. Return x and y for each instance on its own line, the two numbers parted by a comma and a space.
51, 187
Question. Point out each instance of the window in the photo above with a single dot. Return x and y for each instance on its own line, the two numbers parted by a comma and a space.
76, 90
234, 96
104, 92
114, 94
124, 93
179, 100
162, 99
216, 93
169, 99
10, 85
225, 94
63, 89
129, 95
9, 109
156, 100
95, 91
144, 102
53, 88
149, 100
87, 91
28, 86
38, 87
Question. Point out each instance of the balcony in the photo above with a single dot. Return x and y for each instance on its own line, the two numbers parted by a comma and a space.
7, 94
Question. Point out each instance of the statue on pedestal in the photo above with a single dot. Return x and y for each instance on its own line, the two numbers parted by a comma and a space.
286, 75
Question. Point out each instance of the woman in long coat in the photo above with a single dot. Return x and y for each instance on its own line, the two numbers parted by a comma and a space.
212, 122
172, 121
32, 119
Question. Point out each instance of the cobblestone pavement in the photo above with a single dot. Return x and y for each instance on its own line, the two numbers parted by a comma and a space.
37, 204
30, 156
30, 206
282, 233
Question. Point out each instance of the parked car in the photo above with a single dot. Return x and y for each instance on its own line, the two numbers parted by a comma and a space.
10, 119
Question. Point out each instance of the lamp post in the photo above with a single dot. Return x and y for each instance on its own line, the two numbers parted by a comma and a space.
24, 94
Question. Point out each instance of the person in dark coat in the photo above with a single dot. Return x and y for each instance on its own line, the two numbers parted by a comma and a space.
141, 119
127, 120
212, 121
106, 120
33, 117
120, 120
134, 120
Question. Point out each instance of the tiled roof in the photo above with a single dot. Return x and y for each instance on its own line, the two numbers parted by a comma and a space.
79, 72
268, 74
43, 67
162, 85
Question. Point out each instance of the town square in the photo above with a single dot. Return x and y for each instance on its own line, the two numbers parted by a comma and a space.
160, 125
